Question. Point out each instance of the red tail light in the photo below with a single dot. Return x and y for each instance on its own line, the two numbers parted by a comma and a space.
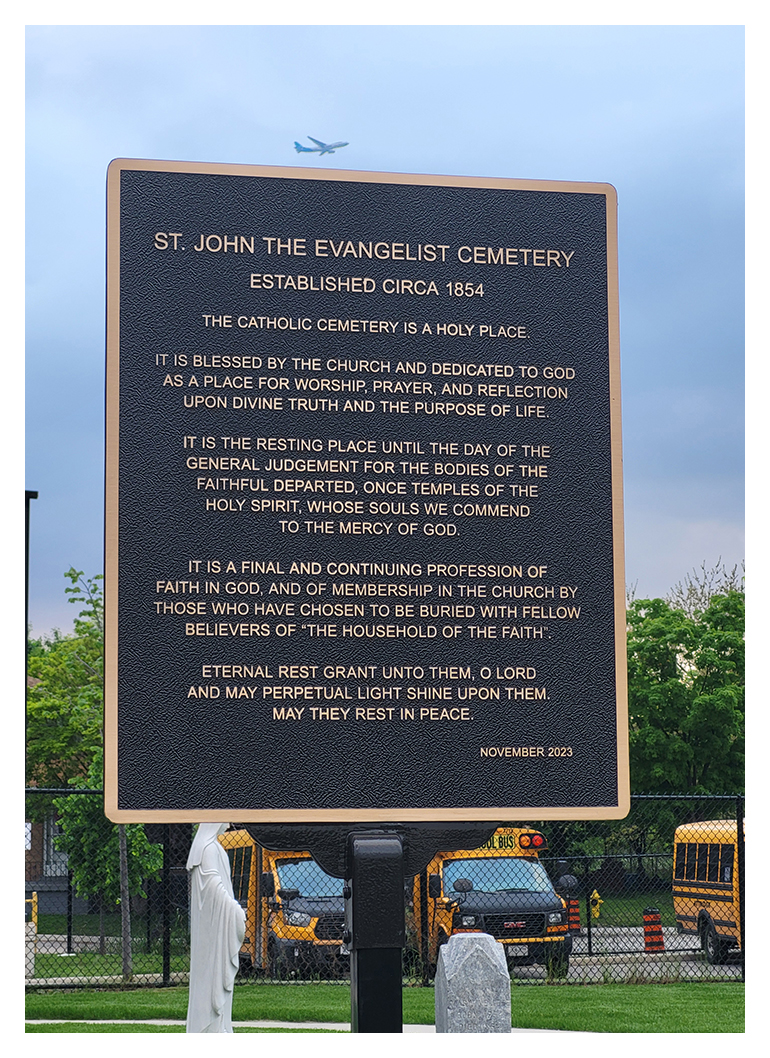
534, 841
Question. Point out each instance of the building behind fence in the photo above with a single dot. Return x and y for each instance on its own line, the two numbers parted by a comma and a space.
635, 905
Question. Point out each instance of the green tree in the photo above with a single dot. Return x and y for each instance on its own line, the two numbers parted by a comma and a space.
107, 861
694, 592
65, 746
687, 692
92, 843
65, 699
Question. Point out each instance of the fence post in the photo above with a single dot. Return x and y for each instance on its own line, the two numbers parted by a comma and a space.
125, 906
166, 898
740, 850
69, 912
588, 921
424, 940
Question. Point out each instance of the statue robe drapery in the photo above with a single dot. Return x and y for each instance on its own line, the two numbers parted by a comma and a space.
217, 928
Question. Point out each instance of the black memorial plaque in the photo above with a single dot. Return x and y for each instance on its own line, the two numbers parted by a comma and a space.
364, 521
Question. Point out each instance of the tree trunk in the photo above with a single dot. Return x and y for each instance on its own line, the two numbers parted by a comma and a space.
125, 905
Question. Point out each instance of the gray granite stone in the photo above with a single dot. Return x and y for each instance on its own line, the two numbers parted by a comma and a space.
473, 985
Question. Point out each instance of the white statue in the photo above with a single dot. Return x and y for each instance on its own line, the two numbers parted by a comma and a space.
217, 928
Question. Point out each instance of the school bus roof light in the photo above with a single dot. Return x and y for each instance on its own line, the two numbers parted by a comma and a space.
534, 841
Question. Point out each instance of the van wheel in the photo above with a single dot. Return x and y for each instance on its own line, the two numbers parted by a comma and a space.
715, 949
245, 966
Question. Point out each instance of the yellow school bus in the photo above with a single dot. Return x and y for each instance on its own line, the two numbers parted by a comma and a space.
705, 885
295, 912
500, 888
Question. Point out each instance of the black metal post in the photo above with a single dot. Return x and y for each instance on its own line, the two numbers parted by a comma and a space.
741, 851
375, 930
588, 922
151, 892
69, 912
166, 897
424, 928
27, 497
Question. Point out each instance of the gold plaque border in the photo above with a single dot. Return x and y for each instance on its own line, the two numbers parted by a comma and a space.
480, 813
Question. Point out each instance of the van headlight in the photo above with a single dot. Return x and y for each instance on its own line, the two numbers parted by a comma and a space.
461, 921
296, 918
555, 917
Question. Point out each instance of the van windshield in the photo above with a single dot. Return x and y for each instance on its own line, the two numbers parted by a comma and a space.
495, 874
306, 876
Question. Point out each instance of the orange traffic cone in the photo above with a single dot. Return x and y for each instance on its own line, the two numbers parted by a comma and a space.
653, 931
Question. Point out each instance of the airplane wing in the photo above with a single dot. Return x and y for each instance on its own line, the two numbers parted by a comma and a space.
317, 143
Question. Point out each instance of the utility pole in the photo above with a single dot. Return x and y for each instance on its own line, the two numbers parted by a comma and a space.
27, 497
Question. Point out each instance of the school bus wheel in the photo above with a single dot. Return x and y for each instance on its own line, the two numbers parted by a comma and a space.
245, 965
713, 946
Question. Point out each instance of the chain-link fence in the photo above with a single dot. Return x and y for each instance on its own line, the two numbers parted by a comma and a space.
657, 896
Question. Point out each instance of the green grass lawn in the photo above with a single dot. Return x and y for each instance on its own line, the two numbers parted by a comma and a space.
629, 910
82, 925
91, 964
706, 1007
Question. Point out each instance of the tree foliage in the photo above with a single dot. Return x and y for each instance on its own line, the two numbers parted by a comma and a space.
65, 699
686, 680
65, 741
694, 592
93, 847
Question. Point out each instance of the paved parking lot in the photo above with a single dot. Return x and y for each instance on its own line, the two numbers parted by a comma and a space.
616, 954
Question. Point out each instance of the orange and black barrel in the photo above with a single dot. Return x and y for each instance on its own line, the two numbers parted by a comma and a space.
653, 931
573, 914
567, 888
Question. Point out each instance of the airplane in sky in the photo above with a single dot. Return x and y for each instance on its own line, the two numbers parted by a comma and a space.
320, 148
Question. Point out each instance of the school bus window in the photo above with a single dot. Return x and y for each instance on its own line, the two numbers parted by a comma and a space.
689, 867
498, 875
701, 872
307, 878
240, 866
727, 863
713, 872
681, 852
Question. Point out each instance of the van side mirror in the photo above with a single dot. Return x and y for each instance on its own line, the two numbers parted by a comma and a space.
463, 885
434, 886
267, 884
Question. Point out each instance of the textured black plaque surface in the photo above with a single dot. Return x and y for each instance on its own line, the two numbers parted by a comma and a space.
178, 746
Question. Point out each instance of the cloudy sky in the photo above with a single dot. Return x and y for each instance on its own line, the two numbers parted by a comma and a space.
657, 111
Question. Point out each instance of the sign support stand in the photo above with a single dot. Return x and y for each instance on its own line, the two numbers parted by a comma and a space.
374, 928
375, 861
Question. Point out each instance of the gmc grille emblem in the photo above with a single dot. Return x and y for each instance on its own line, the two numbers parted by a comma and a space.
514, 925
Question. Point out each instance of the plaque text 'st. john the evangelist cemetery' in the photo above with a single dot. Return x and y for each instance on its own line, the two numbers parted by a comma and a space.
363, 503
